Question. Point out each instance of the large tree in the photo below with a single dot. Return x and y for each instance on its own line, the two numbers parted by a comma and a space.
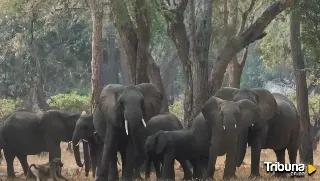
305, 151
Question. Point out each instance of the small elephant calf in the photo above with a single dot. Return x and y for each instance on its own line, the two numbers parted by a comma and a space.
167, 146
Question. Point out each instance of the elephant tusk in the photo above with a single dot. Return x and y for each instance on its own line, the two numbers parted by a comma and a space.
95, 132
144, 123
252, 125
126, 126
224, 128
85, 140
235, 126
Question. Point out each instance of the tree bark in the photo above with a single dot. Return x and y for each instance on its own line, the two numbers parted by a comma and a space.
124, 68
155, 78
235, 45
112, 60
305, 150
169, 78
234, 73
96, 62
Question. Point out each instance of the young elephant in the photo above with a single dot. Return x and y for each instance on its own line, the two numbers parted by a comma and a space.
171, 145
165, 122
230, 121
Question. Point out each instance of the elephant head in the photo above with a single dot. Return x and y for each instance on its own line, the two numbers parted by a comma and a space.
156, 143
84, 130
130, 107
231, 119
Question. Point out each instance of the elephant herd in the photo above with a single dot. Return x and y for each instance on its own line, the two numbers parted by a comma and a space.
127, 120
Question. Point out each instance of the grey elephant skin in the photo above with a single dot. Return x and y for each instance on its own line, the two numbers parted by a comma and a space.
85, 130
229, 122
157, 124
28, 133
126, 110
277, 129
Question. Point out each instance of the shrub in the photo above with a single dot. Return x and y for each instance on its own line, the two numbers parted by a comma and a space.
70, 102
177, 108
7, 107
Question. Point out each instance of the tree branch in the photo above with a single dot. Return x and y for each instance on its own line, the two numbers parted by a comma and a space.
244, 16
250, 35
244, 58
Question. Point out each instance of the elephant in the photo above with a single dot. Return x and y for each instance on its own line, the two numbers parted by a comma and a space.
161, 122
30, 133
125, 109
229, 120
259, 132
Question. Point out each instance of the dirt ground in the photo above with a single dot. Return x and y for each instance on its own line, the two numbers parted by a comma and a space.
72, 172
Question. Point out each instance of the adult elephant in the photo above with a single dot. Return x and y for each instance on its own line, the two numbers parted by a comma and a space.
259, 132
125, 109
228, 121
29, 133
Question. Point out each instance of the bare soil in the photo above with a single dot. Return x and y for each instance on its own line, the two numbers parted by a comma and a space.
73, 173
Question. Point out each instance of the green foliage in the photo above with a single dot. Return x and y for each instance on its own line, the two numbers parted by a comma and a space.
314, 105
177, 108
71, 102
7, 107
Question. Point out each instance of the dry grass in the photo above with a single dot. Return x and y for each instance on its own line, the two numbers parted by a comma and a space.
73, 172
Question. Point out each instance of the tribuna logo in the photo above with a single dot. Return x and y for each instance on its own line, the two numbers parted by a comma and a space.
292, 169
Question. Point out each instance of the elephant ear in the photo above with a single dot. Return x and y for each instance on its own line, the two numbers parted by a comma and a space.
161, 141
226, 93
211, 108
249, 113
152, 100
108, 102
267, 103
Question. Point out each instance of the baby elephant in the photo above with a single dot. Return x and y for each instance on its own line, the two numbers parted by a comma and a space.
49, 170
170, 145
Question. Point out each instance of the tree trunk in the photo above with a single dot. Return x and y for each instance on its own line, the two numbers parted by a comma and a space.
155, 78
235, 45
124, 68
305, 151
234, 73
96, 62
169, 78
112, 60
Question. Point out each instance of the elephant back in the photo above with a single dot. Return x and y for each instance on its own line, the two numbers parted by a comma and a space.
226, 93
165, 122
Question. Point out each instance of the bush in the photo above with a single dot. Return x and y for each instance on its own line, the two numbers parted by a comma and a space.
177, 108
70, 102
7, 107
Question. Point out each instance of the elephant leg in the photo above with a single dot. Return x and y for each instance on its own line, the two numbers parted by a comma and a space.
167, 171
24, 163
196, 170
292, 152
212, 161
9, 159
137, 165
94, 158
258, 139
130, 157
106, 154
186, 170
147, 169
281, 159
113, 168
230, 167
123, 161
156, 164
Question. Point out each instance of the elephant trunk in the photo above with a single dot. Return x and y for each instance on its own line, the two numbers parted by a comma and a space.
86, 157
136, 126
241, 147
76, 151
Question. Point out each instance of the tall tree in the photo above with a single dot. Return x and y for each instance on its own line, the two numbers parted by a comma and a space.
305, 151
96, 8
248, 36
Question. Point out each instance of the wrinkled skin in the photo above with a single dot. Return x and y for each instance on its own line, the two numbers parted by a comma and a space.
165, 122
268, 108
135, 104
28, 133
229, 120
